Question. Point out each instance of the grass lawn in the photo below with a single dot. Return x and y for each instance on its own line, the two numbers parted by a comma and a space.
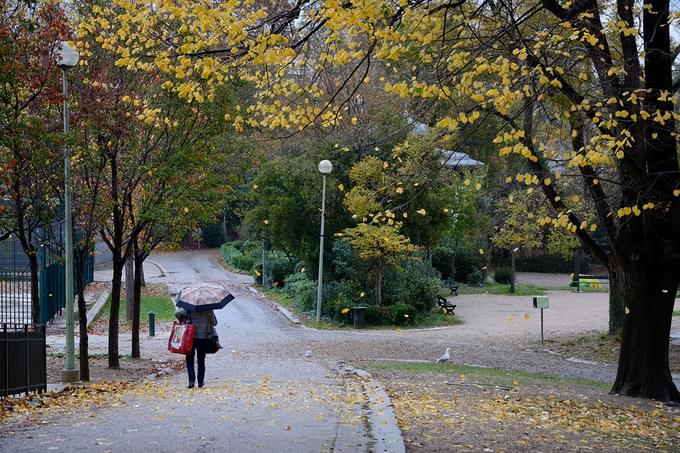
155, 298
497, 289
483, 376
447, 407
676, 313
435, 319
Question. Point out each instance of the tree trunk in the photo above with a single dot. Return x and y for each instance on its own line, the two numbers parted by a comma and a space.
378, 285
114, 315
512, 270
136, 304
129, 288
35, 287
616, 300
649, 295
82, 324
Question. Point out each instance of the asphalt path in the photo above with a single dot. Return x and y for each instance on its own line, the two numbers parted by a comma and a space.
261, 393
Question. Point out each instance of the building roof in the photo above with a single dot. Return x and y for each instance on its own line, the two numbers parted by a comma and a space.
455, 159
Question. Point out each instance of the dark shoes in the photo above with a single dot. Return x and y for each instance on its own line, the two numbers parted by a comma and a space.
200, 384
191, 385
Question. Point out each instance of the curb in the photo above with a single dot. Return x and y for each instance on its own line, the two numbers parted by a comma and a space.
385, 431
280, 308
94, 310
161, 268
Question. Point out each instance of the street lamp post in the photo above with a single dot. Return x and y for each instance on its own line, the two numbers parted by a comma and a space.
325, 168
67, 57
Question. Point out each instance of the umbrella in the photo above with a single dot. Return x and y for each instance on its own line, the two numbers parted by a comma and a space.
203, 297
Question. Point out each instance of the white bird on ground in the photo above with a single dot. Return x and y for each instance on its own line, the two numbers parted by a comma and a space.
308, 353
445, 357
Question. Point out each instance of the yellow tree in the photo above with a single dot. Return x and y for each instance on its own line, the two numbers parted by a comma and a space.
595, 77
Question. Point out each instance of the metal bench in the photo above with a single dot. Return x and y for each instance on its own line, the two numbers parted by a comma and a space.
589, 281
446, 306
452, 285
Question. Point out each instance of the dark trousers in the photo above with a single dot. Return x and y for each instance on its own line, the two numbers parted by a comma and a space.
200, 346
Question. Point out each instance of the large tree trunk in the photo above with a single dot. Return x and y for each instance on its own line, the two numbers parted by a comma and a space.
616, 301
82, 324
649, 295
136, 303
114, 315
35, 286
129, 288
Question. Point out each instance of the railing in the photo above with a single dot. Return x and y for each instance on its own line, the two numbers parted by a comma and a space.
23, 359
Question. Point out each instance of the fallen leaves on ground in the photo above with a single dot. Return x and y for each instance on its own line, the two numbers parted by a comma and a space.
438, 417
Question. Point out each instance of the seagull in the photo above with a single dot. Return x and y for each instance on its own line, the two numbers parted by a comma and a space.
308, 353
445, 357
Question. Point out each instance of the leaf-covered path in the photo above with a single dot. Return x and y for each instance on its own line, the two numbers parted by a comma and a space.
261, 394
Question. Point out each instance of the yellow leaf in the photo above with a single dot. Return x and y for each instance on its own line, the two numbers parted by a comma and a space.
354, 120
341, 187
421, 211
481, 251
344, 311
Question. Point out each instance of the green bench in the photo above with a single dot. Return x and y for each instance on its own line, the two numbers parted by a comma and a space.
579, 281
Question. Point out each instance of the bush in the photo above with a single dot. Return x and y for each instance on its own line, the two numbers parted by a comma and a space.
235, 244
444, 260
345, 264
503, 275
376, 316
467, 262
279, 269
243, 262
418, 285
229, 252
213, 235
476, 278
301, 290
402, 314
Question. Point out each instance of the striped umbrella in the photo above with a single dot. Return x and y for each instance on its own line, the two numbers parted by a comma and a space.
203, 297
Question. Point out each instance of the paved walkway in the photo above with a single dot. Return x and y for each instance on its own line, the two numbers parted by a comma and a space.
259, 395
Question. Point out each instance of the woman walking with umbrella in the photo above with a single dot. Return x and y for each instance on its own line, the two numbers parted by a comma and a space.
195, 305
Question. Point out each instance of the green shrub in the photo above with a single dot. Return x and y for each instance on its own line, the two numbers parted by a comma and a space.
229, 252
468, 261
345, 264
503, 275
477, 277
301, 290
243, 262
418, 285
402, 314
444, 260
376, 316
235, 244
279, 269
549, 263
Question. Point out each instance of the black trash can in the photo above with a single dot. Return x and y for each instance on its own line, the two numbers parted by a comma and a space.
359, 315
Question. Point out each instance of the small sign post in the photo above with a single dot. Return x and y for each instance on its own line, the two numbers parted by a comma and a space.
541, 302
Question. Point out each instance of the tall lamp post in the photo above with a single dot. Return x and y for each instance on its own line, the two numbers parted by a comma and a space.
67, 57
325, 168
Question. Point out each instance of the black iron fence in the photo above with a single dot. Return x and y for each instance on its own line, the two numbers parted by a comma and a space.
15, 281
23, 360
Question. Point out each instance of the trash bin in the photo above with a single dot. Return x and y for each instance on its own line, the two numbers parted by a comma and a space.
359, 315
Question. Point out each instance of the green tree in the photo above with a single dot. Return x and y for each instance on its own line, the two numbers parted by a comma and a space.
378, 246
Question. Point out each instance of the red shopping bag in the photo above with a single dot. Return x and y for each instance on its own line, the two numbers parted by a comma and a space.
181, 338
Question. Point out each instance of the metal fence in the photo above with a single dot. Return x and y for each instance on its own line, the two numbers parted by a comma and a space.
23, 359
15, 281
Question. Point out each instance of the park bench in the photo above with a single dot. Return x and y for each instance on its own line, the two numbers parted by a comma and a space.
446, 306
589, 281
452, 285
